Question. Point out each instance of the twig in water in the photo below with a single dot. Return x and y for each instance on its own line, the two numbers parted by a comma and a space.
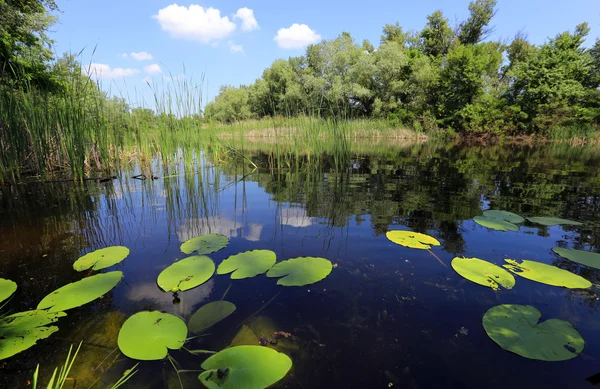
436, 257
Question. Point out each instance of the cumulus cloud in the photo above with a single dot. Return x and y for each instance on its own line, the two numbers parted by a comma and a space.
141, 56
246, 15
235, 49
153, 69
194, 22
100, 70
297, 36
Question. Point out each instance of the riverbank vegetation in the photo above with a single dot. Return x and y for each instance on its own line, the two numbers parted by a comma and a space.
441, 81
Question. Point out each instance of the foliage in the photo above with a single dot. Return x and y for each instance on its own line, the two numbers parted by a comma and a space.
495, 224
7, 288
552, 221
20, 331
248, 264
301, 271
412, 239
580, 256
102, 258
205, 244
186, 274
210, 314
547, 274
483, 273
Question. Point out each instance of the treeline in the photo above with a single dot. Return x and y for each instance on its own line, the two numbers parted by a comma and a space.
440, 77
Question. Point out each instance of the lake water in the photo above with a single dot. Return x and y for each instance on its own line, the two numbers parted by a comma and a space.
387, 316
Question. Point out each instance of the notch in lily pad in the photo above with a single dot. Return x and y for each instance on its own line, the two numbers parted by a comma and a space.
247, 367
102, 258
186, 274
248, 264
301, 271
210, 314
7, 288
148, 336
205, 244
78, 293
553, 221
483, 273
23, 330
516, 328
583, 257
546, 274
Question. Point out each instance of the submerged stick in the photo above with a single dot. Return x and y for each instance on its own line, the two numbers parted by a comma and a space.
261, 308
436, 257
226, 291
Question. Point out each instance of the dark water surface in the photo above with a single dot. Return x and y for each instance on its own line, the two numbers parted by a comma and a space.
386, 314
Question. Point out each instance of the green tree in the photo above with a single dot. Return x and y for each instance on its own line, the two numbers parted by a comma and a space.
437, 36
476, 28
230, 105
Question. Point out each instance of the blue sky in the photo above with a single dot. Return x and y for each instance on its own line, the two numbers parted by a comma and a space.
235, 40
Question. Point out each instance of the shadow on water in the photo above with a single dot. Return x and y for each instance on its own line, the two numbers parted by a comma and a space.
386, 315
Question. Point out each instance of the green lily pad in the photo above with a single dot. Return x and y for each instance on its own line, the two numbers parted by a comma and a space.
186, 274
205, 244
580, 256
495, 224
414, 240
7, 288
148, 336
22, 330
244, 367
102, 258
209, 315
81, 292
483, 273
553, 221
248, 264
515, 328
547, 274
301, 271
504, 215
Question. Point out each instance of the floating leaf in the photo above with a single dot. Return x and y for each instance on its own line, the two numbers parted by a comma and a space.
547, 274
414, 240
515, 328
205, 244
22, 330
552, 221
81, 292
7, 288
209, 315
495, 224
245, 367
301, 271
580, 256
248, 264
483, 273
504, 215
186, 274
148, 336
101, 259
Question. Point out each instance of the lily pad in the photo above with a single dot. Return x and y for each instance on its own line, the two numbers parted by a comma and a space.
495, 224
205, 244
414, 240
580, 256
515, 328
22, 330
81, 292
102, 258
547, 274
244, 367
186, 274
504, 215
248, 264
553, 221
483, 273
301, 271
209, 315
7, 288
148, 336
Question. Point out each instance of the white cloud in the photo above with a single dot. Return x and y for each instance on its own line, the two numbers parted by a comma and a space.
194, 22
235, 49
100, 70
246, 15
124, 55
153, 69
297, 36
141, 56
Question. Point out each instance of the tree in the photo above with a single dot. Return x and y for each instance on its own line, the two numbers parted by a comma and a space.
476, 27
437, 36
24, 46
230, 105
394, 33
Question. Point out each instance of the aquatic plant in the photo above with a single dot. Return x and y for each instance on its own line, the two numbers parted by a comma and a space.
102, 258
499, 220
209, 315
504, 215
57, 382
415, 240
483, 273
516, 328
546, 274
301, 271
552, 221
580, 256
205, 244
248, 264
7, 288
20, 331
186, 274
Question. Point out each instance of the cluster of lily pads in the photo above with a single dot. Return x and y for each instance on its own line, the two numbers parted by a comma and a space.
150, 335
552, 340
